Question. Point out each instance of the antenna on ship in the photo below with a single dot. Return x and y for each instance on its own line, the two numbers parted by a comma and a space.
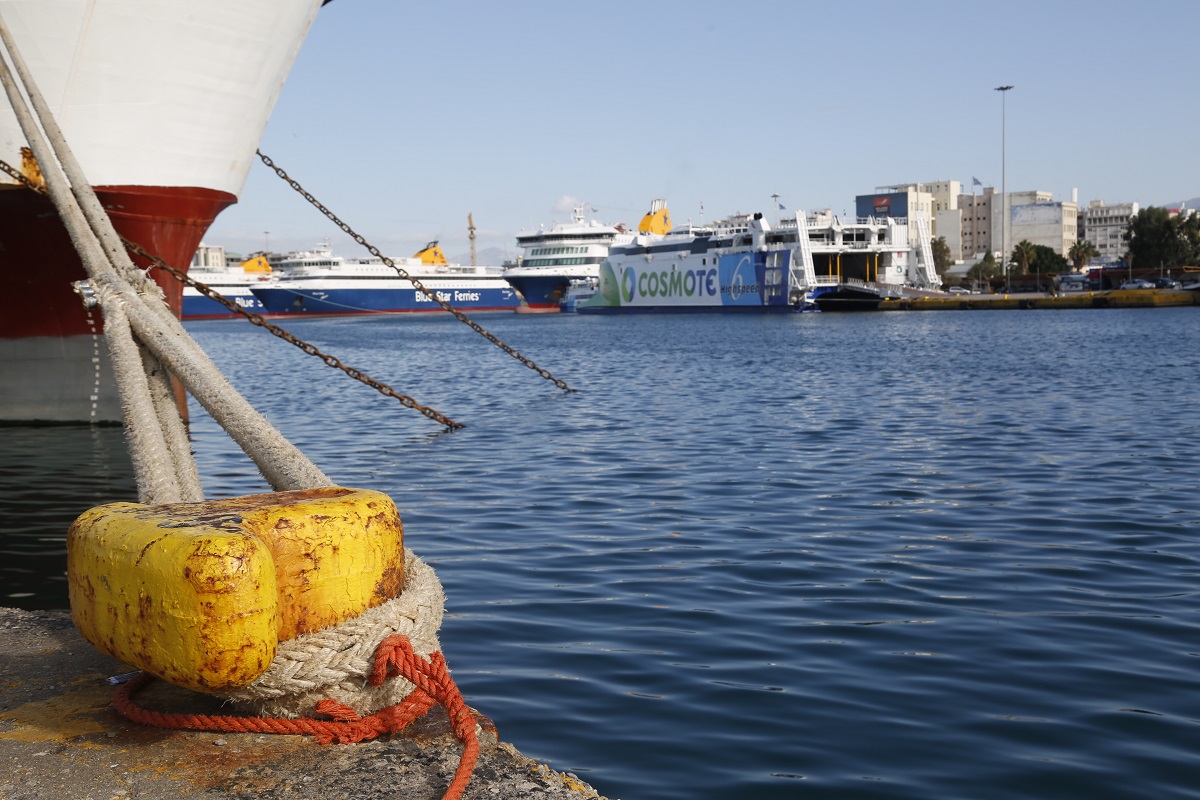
471, 229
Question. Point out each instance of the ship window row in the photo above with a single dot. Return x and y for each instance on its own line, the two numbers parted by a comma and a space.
552, 262
555, 251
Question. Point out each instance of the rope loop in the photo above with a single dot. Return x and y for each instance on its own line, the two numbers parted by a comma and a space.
394, 658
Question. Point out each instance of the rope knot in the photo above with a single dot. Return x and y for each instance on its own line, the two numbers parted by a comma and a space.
394, 656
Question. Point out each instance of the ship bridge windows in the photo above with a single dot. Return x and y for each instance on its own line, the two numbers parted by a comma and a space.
555, 251
559, 262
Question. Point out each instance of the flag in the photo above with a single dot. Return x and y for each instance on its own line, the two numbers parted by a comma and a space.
976, 182
781, 207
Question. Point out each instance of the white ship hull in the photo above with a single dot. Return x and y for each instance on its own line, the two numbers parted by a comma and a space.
163, 103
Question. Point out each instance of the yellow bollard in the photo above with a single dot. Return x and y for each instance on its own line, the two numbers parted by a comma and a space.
200, 594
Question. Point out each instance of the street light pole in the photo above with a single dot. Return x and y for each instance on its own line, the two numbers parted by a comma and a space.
1003, 90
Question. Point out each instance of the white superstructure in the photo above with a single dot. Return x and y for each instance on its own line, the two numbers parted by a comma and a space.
556, 257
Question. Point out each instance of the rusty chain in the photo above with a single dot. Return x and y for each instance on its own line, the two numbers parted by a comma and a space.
463, 318
278, 332
255, 319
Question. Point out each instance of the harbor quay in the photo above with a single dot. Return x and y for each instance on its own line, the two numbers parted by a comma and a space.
61, 739
1115, 298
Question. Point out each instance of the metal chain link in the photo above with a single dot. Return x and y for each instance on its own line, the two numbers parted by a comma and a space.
280, 333
255, 319
417, 283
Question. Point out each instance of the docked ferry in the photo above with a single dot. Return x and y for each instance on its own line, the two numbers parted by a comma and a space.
231, 281
743, 264
565, 258
319, 282
163, 105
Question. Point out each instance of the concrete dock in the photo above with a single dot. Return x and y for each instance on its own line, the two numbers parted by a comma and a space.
1113, 298
60, 739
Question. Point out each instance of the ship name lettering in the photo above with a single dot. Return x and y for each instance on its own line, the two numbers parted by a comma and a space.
675, 284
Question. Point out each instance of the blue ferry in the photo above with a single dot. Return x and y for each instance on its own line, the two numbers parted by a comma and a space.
318, 282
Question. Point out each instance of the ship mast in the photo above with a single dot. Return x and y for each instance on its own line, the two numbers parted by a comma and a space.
471, 229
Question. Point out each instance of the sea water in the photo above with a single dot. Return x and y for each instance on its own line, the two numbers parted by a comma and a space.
886, 555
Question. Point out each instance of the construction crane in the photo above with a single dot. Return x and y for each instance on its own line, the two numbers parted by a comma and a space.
471, 228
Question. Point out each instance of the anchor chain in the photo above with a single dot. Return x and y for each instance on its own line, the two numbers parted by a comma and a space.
255, 319
275, 330
463, 318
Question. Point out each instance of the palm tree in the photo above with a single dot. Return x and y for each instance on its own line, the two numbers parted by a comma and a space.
1082, 252
1023, 254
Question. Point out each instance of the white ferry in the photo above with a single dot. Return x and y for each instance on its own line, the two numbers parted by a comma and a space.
232, 281
743, 264
318, 282
558, 261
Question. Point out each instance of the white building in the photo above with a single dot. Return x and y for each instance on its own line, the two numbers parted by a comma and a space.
949, 224
974, 227
1105, 226
927, 199
1046, 223
209, 256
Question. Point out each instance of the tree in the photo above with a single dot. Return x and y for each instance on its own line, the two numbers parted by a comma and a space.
1023, 255
1158, 237
1046, 262
1189, 230
1081, 253
986, 268
942, 260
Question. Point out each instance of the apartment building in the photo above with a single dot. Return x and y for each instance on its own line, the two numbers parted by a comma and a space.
1105, 226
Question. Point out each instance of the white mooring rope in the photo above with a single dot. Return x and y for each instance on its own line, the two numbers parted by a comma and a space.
123, 290
336, 662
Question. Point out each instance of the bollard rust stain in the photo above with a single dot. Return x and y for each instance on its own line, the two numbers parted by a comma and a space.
200, 594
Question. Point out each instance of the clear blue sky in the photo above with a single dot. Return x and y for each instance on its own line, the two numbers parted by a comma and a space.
405, 117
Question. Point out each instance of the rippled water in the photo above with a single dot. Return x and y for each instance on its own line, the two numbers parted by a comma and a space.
893, 555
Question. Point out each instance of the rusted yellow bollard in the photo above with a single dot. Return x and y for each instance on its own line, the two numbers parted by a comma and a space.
200, 594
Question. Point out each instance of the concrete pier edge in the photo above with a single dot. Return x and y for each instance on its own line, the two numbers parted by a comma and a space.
62, 740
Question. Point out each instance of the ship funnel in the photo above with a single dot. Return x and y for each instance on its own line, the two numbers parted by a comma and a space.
758, 231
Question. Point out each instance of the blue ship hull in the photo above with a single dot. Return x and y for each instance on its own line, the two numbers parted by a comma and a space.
283, 299
541, 292
197, 306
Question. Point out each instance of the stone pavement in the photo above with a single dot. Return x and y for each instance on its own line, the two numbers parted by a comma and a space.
60, 739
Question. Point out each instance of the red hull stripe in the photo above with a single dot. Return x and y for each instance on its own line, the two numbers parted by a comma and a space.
38, 263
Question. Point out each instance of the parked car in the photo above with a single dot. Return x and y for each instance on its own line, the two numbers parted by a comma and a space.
958, 290
1167, 283
1137, 283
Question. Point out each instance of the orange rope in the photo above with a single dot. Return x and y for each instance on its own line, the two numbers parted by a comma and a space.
394, 657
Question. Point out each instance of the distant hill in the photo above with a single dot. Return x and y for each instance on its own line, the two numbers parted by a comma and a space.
487, 256
1193, 203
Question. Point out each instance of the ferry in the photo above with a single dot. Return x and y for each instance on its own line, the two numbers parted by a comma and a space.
231, 281
744, 264
564, 259
319, 282
163, 103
